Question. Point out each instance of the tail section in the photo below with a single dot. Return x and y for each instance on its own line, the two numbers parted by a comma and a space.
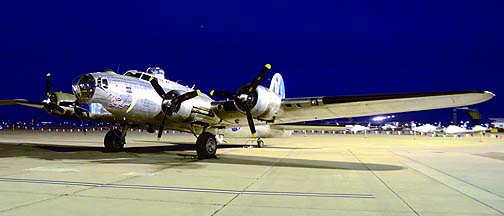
277, 85
475, 116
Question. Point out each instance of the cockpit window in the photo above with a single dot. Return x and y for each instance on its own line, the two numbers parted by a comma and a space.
104, 83
133, 74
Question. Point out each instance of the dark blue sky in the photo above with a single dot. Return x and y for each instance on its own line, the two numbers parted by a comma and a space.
321, 48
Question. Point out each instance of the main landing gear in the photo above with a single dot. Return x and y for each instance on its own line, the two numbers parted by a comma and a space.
115, 139
206, 145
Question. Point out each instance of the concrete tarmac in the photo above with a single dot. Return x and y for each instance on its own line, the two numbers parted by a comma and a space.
63, 173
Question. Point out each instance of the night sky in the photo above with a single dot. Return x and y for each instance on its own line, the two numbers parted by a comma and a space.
334, 48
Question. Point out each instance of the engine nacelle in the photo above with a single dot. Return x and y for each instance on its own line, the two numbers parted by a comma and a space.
64, 101
67, 113
183, 112
266, 104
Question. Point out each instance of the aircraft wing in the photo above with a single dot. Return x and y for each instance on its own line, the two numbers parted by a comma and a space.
319, 108
23, 102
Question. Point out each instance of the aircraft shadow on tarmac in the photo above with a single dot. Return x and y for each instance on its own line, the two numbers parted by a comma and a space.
172, 153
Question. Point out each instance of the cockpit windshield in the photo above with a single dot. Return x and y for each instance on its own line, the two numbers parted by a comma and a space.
133, 73
151, 72
156, 72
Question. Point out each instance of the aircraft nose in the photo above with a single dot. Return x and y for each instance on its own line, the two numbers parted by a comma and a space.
84, 88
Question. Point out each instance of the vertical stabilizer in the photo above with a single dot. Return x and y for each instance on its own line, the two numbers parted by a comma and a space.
277, 85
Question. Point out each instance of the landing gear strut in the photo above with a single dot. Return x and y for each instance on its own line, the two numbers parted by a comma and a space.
206, 145
260, 143
115, 139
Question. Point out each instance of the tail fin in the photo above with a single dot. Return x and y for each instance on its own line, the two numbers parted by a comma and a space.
277, 85
473, 113
475, 116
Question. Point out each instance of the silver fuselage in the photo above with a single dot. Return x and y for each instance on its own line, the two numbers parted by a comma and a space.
132, 100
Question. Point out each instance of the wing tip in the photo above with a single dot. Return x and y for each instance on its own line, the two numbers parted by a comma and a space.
15, 101
489, 93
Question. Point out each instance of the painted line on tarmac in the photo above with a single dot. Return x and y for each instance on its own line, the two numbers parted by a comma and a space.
186, 189
385, 184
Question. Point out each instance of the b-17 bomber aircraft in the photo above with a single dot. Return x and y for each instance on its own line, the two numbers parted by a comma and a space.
150, 100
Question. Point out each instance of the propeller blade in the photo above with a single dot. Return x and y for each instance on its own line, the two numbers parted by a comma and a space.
35, 117
83, 125
250, 120
186, 96
161, 127
153, 81
260, 77
48, 84
79, 111
221, 94
59, 109
77, 108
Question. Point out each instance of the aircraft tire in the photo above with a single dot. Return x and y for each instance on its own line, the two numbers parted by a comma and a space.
112, 141
206, 145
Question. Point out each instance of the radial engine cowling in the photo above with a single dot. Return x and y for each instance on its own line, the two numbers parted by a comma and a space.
62, 100
174, 110
265, 104
183, 112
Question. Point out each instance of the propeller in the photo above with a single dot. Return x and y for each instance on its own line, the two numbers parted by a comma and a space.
51, 102
171, 101
244, 97
48, 84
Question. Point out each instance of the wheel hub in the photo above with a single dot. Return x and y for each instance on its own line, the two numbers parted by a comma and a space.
117, 143
211, 145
